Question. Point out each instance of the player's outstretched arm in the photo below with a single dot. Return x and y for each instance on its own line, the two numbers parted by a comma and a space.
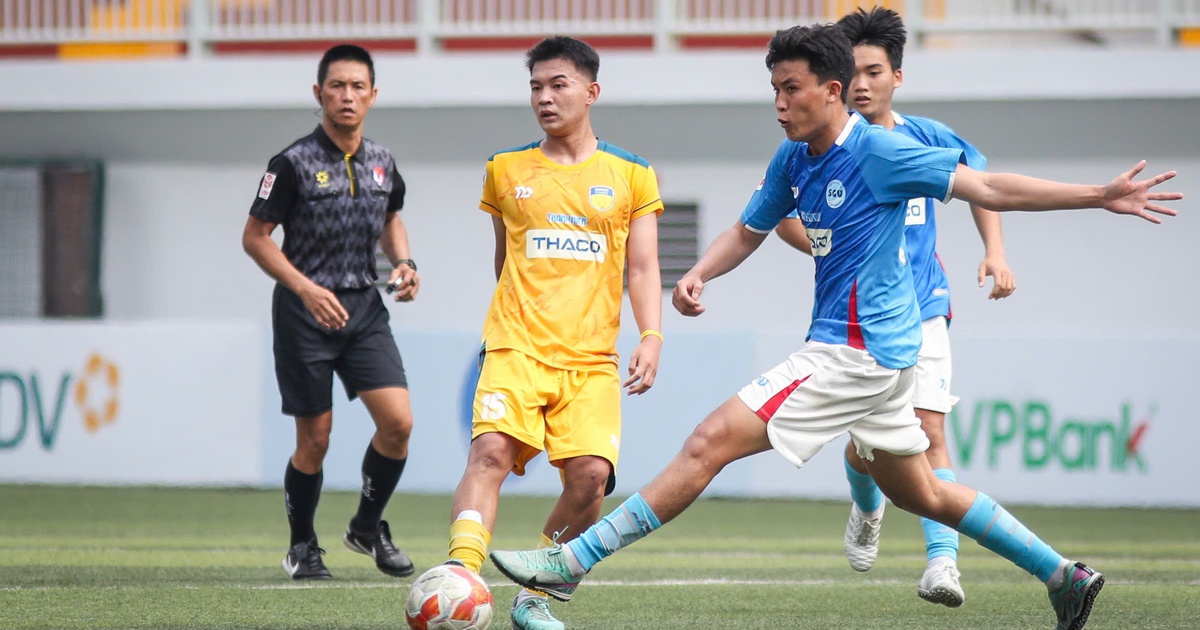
1009, 191
725, 253
645, 298
994, 264
1124, 195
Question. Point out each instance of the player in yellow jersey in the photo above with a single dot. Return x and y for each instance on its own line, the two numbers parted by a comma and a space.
571, 215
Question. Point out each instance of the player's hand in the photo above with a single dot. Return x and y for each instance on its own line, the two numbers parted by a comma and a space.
403, 283
1123, 195
1003, 282
325, 307
643, 366
686, 296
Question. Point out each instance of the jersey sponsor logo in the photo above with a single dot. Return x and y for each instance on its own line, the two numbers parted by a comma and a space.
601, 197
810, 217
761, 182
821, 240
322, 178
522, 192
914, 213
379, 175
554, 217
941, 292
268, 182
835, 194
566, 244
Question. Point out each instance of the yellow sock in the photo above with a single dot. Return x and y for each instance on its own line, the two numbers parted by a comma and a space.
469, 542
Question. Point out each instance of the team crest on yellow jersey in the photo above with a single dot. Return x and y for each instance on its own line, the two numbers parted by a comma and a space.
601, 198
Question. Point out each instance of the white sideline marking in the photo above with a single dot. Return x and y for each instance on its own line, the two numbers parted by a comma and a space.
507, 585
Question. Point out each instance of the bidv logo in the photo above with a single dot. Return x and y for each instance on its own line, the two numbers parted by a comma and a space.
568, 244
27, 399
1029, 432
835, 194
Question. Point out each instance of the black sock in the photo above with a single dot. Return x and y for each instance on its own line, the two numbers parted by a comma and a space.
380, 476
301, 492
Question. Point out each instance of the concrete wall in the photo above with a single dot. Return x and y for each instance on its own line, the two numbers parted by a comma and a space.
179, 184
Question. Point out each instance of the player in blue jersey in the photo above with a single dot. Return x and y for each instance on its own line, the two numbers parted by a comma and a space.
851, 181
878, 37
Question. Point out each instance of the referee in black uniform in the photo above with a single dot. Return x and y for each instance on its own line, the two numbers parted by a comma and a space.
337, 194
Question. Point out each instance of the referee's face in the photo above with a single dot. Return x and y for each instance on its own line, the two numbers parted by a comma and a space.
347, 94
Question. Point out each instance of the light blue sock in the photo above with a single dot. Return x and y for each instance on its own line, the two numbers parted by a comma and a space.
940, 541
995, 529
631, 521
863, 491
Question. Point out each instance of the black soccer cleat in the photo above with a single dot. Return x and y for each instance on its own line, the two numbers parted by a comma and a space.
303, 562
378, 545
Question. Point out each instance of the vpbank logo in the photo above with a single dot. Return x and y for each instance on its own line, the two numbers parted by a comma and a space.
1030, 433
32, 399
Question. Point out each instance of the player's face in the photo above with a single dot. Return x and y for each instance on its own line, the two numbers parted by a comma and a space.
347, 94
804, 105
561, 96
874, 82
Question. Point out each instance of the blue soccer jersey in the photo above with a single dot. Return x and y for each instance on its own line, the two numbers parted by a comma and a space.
852, 200
920, 221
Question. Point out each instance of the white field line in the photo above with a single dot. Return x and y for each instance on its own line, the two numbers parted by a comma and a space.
502, 586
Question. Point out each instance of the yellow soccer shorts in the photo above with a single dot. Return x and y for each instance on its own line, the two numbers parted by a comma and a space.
567, 413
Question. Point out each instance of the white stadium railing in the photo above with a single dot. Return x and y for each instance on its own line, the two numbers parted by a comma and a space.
662, 24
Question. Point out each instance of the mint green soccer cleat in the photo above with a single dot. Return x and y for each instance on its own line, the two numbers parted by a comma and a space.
1073, 600
533, 614
542, 570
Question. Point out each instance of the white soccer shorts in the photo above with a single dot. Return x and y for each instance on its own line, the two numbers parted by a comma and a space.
932, 388
825, 390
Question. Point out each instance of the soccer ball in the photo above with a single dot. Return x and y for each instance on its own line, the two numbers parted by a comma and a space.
449, 597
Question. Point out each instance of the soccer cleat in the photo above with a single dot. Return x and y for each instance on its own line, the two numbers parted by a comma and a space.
303, 562
862, 538
543, 570
1072, 601
378, 545
940, 585
533, 614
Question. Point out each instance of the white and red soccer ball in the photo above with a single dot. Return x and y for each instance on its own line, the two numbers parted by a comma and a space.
449, 597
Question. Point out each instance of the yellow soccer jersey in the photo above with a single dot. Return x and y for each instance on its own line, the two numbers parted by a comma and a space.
559, 295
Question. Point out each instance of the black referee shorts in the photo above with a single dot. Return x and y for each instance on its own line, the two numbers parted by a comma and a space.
363, 352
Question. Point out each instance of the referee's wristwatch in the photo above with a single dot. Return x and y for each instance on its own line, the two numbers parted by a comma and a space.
405, 261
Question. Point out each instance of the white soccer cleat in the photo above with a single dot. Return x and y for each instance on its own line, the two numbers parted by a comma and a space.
940, 585
862, 538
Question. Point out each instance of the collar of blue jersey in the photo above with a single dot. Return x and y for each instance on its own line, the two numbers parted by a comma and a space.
326, 143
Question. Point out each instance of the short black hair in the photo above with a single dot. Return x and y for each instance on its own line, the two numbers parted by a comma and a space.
583, 57
878, 27
345, 52
823, 46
